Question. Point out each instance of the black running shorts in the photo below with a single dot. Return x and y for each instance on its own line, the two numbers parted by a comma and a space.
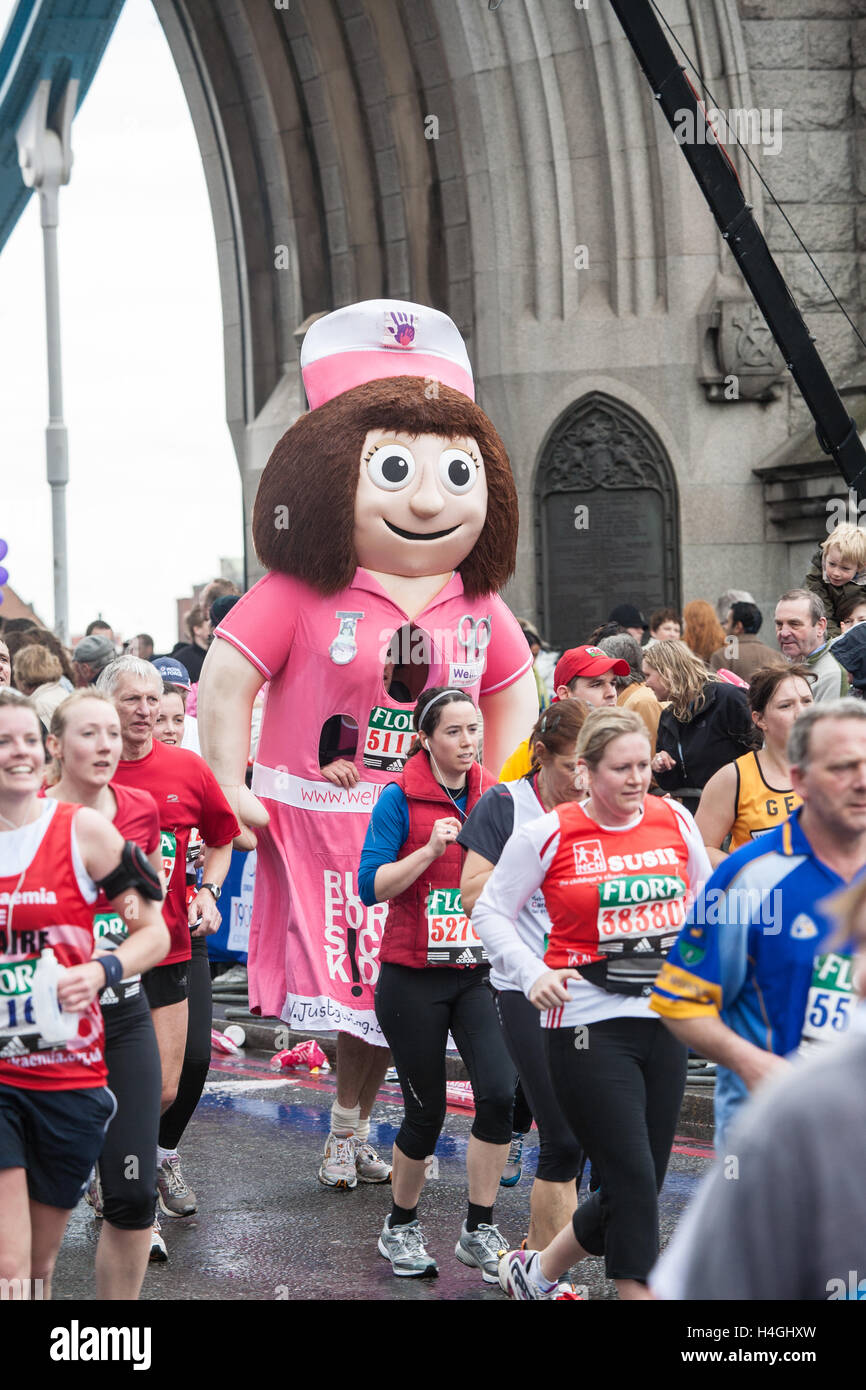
167, 984
57, 1136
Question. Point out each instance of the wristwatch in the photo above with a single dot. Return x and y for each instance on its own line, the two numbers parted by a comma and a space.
213, 888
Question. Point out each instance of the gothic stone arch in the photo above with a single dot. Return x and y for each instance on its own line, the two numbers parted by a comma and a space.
606, 519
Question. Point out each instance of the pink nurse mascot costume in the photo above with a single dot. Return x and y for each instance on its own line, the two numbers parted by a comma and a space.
387, 519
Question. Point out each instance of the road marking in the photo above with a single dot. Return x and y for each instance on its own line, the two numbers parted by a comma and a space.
236, 1084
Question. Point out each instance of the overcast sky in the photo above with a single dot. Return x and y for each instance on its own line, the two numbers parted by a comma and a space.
154, 495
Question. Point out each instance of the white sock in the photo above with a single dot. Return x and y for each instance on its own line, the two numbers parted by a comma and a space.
533, 1271
362, 1130
344, 1121
163, 1154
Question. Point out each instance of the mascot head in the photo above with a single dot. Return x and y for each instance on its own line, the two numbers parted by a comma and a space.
394, 468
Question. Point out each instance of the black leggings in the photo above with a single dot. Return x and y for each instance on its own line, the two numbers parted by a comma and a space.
522, 1109
196, 1057
560, 1157
620, 1084
416, 1009
127, 1164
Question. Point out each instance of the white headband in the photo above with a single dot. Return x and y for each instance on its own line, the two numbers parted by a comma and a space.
443, 695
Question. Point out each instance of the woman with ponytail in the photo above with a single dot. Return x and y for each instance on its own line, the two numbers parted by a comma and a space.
433, 980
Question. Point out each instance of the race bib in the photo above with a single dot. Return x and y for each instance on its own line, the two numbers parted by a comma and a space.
193, 849
388, 738
831, 1000
451, 937
639, 908
109, 930
168, 853
17, 1021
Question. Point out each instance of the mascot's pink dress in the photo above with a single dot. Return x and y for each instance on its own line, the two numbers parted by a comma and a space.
313, 951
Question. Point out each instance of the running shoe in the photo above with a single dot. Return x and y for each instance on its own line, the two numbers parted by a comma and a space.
175, 1197
514, 1279
93, 1195
235, 978
566, 1293
158, 1252
513, 1163
404, 1247
368, 1165
482, 1248
338, 1163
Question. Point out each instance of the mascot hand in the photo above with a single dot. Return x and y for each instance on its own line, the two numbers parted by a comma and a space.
342, 773
248, 811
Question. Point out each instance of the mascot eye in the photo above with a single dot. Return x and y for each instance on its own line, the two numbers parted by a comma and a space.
392, 467
458, 471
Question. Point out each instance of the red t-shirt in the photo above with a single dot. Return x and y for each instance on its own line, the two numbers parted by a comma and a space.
187, 795
137, 816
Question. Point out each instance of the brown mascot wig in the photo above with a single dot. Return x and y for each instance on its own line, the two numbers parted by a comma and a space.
312, 476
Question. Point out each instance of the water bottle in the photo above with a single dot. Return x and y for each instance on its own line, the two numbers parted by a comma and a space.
53, 1022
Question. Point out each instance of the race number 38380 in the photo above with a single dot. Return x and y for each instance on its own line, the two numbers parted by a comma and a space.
640, 905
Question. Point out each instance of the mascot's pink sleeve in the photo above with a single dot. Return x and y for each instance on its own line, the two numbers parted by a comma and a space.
313, 944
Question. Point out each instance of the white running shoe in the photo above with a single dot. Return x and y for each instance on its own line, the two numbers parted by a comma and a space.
158, 1251
368, 1165
482, 1249
404, 1247
514, 1277
338, 1163
176, 1197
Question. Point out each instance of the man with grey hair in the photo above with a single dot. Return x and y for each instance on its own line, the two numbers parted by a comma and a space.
726, 601
750, 979
791, 1226
633, 691
801, 631
187, 795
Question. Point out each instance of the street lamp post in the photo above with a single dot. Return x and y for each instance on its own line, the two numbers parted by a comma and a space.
45, 156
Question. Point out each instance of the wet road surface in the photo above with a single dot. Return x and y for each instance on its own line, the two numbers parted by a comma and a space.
267, 1230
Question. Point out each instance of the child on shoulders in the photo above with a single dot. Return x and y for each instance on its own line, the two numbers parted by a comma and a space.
838, 572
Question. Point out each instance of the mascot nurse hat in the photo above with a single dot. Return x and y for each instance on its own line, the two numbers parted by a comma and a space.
382, 338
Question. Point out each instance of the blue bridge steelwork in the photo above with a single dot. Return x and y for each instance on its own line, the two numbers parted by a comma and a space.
56, 40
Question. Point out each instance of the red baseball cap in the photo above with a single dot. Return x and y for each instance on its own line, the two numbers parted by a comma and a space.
587, 661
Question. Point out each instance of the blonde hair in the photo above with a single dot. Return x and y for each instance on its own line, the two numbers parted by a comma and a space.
601, 727
851, 542
35, 665
60, 720
684, 674
848, 907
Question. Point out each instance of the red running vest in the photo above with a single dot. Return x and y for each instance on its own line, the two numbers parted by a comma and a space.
48, 909
404, 940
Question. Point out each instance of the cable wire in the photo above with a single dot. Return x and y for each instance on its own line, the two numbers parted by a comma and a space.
696, 70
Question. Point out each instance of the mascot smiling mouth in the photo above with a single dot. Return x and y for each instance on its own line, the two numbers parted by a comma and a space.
420, 535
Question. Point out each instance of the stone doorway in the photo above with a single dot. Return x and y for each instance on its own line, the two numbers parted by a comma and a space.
606, 520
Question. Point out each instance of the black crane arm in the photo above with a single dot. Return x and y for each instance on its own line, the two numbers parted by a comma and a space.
836, 431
